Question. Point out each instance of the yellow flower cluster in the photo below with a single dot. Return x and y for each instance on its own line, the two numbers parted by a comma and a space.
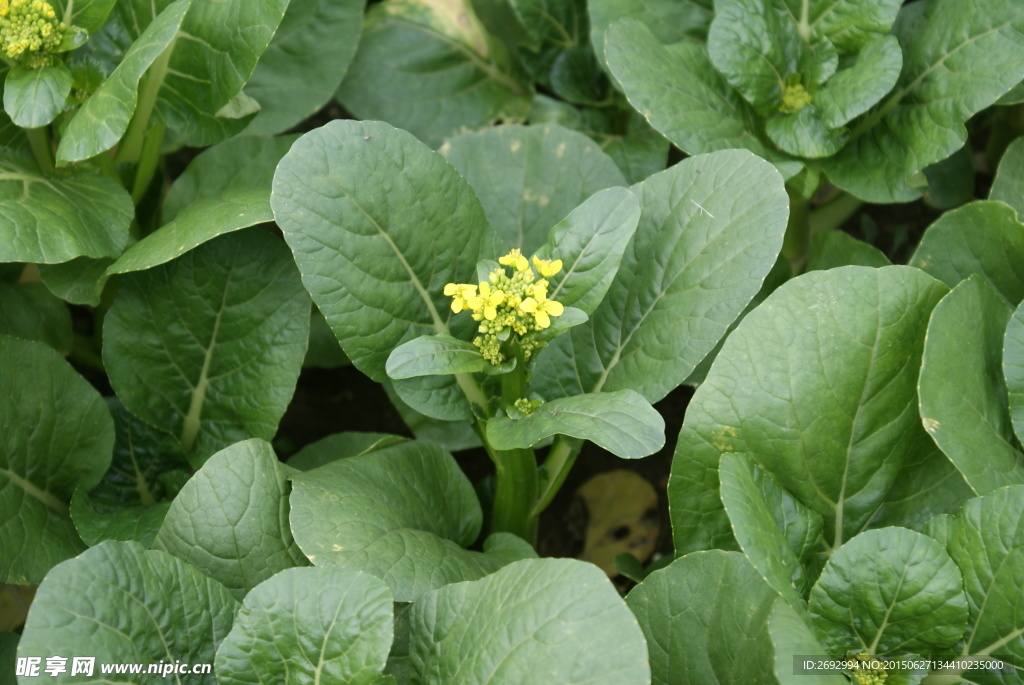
29, 30
505, 303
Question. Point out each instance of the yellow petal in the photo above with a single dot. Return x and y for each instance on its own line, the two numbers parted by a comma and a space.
452, 288
529, 305
553, 308
541, 318
457, 304
490, 312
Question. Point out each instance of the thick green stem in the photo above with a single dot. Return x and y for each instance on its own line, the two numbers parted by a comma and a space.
557, 465
148, 161
39, 139
798, 235
517, 479
130, 149
515, 493
833, 214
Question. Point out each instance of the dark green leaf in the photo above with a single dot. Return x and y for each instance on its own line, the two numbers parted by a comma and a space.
57, 436
87, 14
435, 355
705, 619
334, 625
52, 220
792, 636
304, 63
983, 238
30, 311
710, 230
836, 248
678, 91
818, 386
963, 401
209, 347
403, 513
622, 422
1013, 369
889, 591
230, 520
426, 67
34, 97
355, 249
1008, 185
534, 621
670, 20
341, 446
857, 88
528, 178
957, 60
121, 603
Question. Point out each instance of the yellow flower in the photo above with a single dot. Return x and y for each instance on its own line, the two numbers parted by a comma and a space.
547, 267
489, 300
4, 8
515, 257
462, 294
542, 309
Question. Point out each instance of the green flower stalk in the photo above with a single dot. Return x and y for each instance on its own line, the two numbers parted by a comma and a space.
30, 31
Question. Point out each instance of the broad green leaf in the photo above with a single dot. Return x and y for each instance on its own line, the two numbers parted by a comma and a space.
577, 77
528, 178
30, 311
80, 281
304, 63
710, 230
678, 91
34, 97
209, 347
756, 48
1008, 185
324, 352
341, 446
622, 422
196, 224
818, 387
217, 51
791, 637
848, 24
435, 355
534, 621
963, 401
404, 514
55, 436
134, 495
928, 485
775, 531
87, 14
951, 181
889, 591
230, 520
214, 195
983, 238
836, 248
503, 19
1013, 369
957, 60
857, 88
452, 435
378, 224
335, 625
425, 66
437, 397
217, 171
670, 20
103, 119
590, 242
121, 603
803, 134
705, 619
48, 220
986, 540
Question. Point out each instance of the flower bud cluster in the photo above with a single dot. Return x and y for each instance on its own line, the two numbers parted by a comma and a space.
506, 304
29, 30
